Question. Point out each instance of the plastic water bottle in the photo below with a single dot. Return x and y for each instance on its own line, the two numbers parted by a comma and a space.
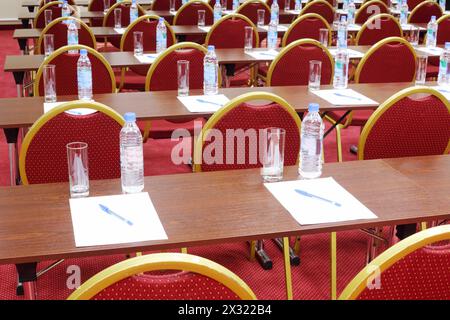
431, 32
72, 35
210, 72
134, 12
217, 11
131, 156
341, 60
235, 4
272, 35
184, 1
342, 33
345, 4
161, 36
442, 4
65, 10
84, 76
444, 65
298, 5
351, 12
275, 12
404, 13
311, 145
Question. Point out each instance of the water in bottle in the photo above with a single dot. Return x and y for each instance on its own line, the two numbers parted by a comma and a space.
341, 60
272, 35
342, 33
211, 72
134, 12
404, 13
298, 5
431, 32
84, 76
184, 1
217, 11
311, 144
131, 156
65, 10
351, 12
345, 4
161, 36
72, 35
444, 65
235, 4
275, 12
442, 4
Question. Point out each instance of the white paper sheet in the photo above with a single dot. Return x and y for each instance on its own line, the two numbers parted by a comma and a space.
92, 226
79, 111
295, 11
206, 29
434, 51
353, 27
279, 28
408, 26
341, 205
444, 90
147, 58
345, 97
263, 54
120, 30
353, 54
205, 103
225, 12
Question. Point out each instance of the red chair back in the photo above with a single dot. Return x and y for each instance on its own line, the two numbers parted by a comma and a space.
390, 60
306, 26
39, 20
291, 66
388, 27
369, 9
322, 8
44, 2
187, 15
443, 32
414, 122
414, 3
250, 10
233, 24
226, 4
164, 5
424, 11
162, 74
98, 5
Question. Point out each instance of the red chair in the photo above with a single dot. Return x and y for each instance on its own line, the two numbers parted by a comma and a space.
388, 27
443, 32
44, 2
134, 78
291, 66
413, 269
369, 9
187, 15
39, 19
140, 278
321, 7
98, 5
414, 3
250, 10
386, 2
424, 11
59, 30
103, 80
164, 5
306, 26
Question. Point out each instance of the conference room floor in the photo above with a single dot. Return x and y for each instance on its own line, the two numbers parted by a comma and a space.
310, 279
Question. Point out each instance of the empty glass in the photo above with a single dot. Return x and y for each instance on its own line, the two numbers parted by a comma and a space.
49, 83
315, 69
183, 78
414, 36
273, 154
261, 14
118, 18
77, 162
106, 6
138, 43
172, 6
48, 16
323, 37
201, 18
248, 46
49, 45
421, 69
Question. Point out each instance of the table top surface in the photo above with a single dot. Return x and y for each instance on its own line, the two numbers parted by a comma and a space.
84, 3
35, 221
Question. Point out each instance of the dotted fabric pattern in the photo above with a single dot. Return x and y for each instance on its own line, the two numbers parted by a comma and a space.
250, 10
56, 13
97, 5
443, 33
322, 10
220, 36
307, 28
177, 286
369, 11
125, 19
189, 15
165, 5
293, 67
388, 28
411, 127
421, 275
66, 75
98, 130
424, 13
246, 116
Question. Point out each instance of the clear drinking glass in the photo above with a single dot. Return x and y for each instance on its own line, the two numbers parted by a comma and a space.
315, 69
261, 14
323, 37
273, 154
118, 18
183, 78
138, 43
49, 45
49, 83
48, 16
77, 162
414, 36
106, 6
201, 18
421, 69
172, 6
248, 46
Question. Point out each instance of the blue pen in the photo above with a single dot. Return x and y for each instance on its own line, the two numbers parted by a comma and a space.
307, 194
210, 102
109, 211
345, 96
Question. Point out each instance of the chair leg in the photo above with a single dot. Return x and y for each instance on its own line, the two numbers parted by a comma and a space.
252, 250
297, 246
293, 257
263, 259
287, 268
333, 266
184, 250
338, 143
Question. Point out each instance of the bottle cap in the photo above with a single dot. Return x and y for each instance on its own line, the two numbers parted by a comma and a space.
130, 116
313, 107
433, 18
161, 19
83, 52
211, 48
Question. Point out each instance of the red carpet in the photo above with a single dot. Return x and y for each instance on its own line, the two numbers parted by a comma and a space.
310, 279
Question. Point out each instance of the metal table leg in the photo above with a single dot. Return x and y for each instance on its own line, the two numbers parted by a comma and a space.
27, 277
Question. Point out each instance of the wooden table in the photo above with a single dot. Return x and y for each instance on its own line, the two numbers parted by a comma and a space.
35, 221
31, 4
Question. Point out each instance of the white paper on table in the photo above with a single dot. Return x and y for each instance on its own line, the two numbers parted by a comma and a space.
206, 29
120, 30
173, 13
225, 12
312, 210
294, 11
205, 103
353, 27
345, 97
341, 11
409, 26
444, 90
93, 227
147, 57
263, 54
435, 51
352, 54
279, 28
79, 111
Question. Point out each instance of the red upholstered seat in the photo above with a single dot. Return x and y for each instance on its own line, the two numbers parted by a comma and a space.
39, 20
414, 3
369, 9
422, 275
423, 12
188, 14
443, 32
388, 27
322, 8
164, 5
306, 26
250, 10
98, 5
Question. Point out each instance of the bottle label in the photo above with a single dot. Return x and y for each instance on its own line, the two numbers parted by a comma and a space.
430, 35
339, 68
84, 79
443, 67
310, 146
72, 39
217, 15
342, 39
210, 74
